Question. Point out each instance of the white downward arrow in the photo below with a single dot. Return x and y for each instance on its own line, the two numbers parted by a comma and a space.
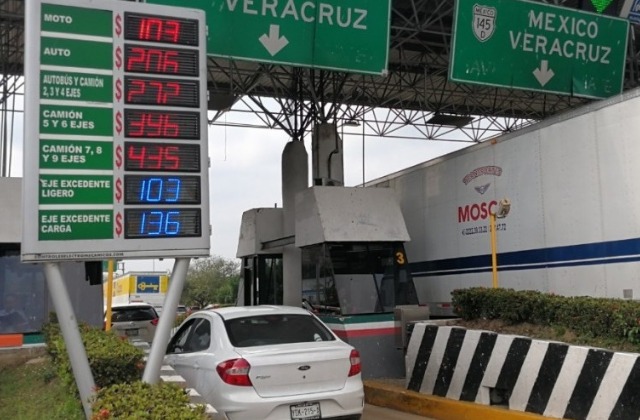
274, 42
543, 74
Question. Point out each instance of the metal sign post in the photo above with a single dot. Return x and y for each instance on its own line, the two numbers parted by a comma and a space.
163, 331
71, 334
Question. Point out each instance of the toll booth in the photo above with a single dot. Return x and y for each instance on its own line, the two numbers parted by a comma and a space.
354, 271
260, 249
338, 251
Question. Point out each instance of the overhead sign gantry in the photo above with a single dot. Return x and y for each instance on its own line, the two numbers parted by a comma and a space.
116, 161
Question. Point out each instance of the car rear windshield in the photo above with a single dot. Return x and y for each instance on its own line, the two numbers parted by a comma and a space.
276, 329
133, 314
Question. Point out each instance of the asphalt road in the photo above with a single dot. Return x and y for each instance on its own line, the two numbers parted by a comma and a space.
373, 412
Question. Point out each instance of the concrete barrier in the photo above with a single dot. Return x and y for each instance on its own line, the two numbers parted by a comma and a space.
12, 356
547, 378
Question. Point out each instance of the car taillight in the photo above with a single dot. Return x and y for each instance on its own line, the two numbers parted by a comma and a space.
235, 372
154, 321
354, 359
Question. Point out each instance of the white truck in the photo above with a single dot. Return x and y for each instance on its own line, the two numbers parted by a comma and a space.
573, 182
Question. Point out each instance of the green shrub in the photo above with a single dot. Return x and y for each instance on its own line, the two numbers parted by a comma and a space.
117, 368
141, 401
50, 332
112, 360
607, 318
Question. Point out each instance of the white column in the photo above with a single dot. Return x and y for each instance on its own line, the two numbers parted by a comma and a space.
295, 178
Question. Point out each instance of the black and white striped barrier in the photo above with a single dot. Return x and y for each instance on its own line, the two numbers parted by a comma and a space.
548, 378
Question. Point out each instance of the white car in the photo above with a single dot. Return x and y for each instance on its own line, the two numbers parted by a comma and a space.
267, 363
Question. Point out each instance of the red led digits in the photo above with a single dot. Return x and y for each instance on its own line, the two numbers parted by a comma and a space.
169, 92
164, 29
161, 157
135, 88
154, 124
154, 60
165, 90
158, 91
154, 157
155, 29
145, 59
142, 123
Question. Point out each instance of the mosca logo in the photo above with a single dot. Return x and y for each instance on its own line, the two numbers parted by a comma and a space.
478, 172
476, 211
483, 170
479, 211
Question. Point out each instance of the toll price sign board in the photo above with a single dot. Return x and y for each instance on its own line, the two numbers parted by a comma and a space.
116, 160
540, 47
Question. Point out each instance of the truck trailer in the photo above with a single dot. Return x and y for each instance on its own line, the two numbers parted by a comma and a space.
573, 228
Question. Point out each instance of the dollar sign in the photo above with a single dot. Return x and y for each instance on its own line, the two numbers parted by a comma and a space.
118, 89
119, 224
118, 58
119, 189
118, 156
118, 24
119, 122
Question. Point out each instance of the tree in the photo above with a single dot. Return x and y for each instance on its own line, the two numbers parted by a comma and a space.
211, 280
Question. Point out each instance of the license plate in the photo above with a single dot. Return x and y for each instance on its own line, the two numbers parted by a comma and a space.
131, 333
305, 411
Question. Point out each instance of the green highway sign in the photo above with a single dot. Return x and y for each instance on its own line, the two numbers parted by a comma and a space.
346, 35
535, 46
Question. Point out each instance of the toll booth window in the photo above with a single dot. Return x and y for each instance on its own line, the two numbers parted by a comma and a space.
357, 278
318, 285
262, 280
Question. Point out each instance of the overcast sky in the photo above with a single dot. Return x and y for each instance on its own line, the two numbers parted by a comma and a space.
245, 174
